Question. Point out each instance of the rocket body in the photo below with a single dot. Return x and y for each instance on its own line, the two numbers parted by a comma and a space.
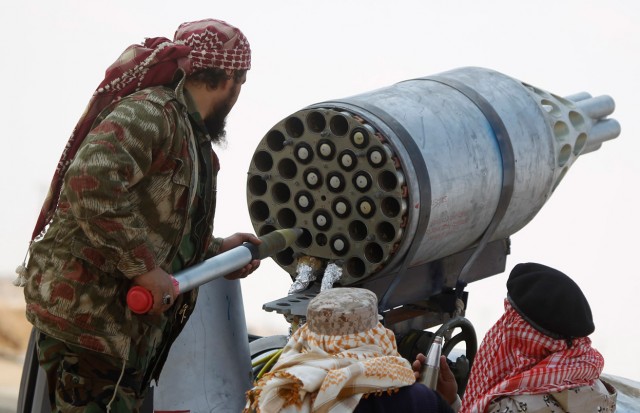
431, 369
140, 300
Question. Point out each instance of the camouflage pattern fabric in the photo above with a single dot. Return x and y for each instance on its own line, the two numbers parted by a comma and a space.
123, 211
82, 380
599, 397
207, 43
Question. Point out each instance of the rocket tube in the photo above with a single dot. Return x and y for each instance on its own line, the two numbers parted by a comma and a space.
431, 369
140, 300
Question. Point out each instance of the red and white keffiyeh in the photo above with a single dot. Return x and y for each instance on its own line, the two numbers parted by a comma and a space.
515, 358
196, 45
323, 373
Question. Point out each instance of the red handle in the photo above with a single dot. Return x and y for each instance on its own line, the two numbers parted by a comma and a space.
140, 300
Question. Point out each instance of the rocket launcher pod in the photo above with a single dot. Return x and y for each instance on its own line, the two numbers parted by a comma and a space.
421, 170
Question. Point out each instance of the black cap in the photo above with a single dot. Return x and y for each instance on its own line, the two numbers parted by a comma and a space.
550, 301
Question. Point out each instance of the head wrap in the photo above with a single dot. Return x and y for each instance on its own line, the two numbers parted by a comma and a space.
328, 364
515, 358
550, 301
196, 45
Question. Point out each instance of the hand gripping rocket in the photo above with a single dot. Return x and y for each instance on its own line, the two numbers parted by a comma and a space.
140, 300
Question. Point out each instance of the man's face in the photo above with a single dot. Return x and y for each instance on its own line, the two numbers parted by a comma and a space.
216, 122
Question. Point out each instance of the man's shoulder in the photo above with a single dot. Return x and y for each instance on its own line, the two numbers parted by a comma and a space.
149, 103
588, 398
150, 106
160, 95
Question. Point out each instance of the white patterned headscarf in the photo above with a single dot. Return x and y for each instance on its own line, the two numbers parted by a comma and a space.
339, 355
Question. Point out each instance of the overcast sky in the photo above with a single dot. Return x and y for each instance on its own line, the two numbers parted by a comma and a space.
54, 54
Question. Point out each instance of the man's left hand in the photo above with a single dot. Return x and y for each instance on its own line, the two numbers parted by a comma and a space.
235, 240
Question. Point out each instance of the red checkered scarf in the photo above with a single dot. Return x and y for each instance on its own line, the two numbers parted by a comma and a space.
515, 358
197, 45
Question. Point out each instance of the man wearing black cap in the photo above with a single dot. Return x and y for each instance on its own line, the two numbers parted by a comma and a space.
537, 357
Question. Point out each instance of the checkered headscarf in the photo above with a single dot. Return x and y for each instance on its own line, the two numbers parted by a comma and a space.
515, 358
196, 45
321, 373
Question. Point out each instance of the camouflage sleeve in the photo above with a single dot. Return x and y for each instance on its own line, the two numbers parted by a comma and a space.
542, 403
116, 155
214, 247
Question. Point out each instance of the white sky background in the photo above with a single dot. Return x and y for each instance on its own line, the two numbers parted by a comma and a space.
54, 54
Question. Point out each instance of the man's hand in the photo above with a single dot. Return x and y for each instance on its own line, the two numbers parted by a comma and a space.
447, 385
233, 241
159, 283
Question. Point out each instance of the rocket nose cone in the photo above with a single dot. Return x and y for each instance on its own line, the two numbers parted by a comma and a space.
277, 241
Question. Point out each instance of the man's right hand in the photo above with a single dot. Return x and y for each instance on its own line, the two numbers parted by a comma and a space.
447, 385
159, 283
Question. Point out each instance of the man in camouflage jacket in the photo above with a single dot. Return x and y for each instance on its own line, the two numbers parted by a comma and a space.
135, 201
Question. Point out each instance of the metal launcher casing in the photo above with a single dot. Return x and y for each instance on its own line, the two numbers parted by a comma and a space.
428, 170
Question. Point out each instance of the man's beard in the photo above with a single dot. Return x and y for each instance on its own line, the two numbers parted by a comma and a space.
215, 125
216, 122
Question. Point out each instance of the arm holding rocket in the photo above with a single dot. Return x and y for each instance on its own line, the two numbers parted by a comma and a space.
140, 300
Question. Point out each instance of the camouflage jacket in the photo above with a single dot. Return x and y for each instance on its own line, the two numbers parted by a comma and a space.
597, 398
123, 211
